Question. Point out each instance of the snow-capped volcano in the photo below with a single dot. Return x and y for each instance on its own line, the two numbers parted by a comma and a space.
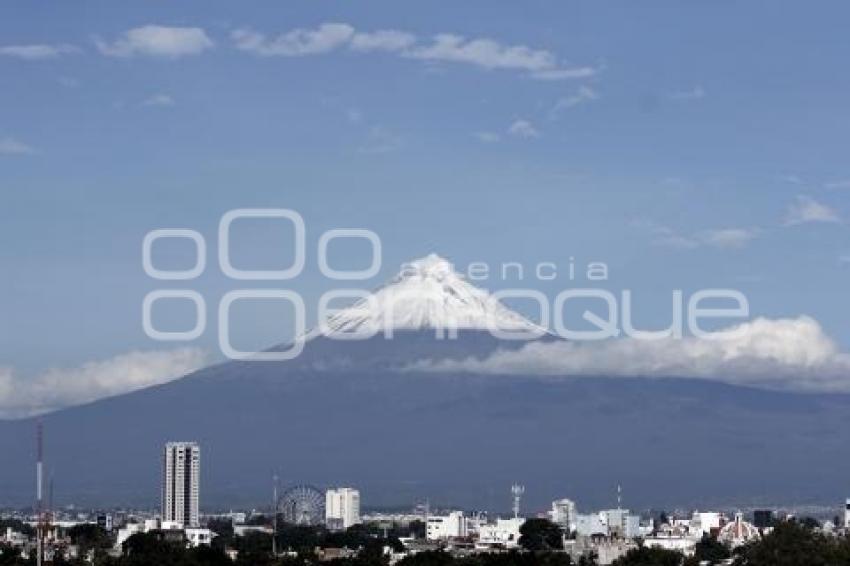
429, 294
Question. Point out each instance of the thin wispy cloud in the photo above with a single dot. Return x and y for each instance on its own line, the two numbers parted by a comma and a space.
583, 95
838, 184
12, 146
38, 51
806, 210
381, 140
695, 93
441, 48
791, 179
69, 82
523, 129
354, 115
157, 41
56, 388
159, 100
721, 238
728, 237
487, 137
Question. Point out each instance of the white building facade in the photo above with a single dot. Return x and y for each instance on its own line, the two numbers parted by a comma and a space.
443, 527
342, 507
564, 514
503, 533
181, 479
847, 514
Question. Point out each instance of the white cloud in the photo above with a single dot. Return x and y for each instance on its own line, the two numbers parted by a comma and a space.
792, 179
298, 42
839, 184
674, 240
487, 137
695, 93
157, 41
444, 47
729, 237
523, 129
792, 353
806, 209
158, 100
70, 82
565, 73
354, 115
11, 146
56, 388
382, 40
36, 52
485, 53
718, 238
582, 95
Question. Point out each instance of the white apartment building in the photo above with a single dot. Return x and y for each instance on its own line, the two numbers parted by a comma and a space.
503, 533
702, 523
564, 513
342, 507
443, 527
609, 522
181, 478
591, 525
847, 514
199, 537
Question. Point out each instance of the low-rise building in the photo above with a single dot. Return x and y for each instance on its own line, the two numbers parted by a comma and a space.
443, 527
504, 533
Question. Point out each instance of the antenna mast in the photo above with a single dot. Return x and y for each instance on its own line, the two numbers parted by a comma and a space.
275, 480
39, 505
517, 491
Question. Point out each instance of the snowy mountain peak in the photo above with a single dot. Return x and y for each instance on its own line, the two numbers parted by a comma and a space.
431, 265
428, 294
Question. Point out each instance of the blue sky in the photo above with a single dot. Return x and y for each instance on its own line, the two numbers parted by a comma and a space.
685, 144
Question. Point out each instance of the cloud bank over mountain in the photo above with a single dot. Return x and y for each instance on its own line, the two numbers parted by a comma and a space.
788, 353
56, 388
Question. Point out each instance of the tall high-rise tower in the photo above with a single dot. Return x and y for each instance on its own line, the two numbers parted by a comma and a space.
342, 507
181, 479
847, 514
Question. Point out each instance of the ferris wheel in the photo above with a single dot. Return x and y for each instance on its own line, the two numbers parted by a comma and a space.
302, 505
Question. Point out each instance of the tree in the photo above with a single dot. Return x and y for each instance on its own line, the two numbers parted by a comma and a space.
795, 544
541, 534
10, 556
18, 526
650, 556
711, 550
89, 537
417, 529
429, 558
254, 549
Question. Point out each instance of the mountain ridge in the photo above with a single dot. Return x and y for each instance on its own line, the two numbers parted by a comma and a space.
353, 412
